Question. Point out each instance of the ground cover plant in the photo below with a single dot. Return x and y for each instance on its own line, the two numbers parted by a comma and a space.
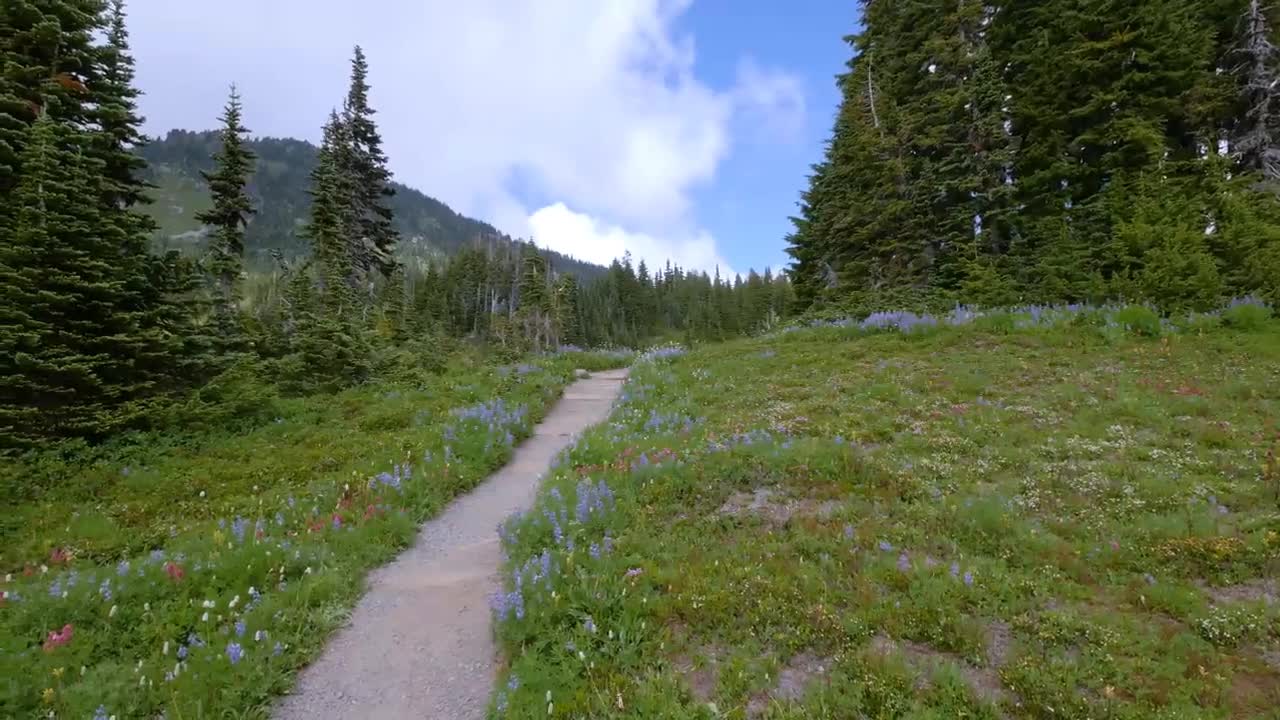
1064, 512
190, 575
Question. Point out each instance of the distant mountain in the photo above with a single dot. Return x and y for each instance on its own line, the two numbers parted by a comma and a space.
429, 229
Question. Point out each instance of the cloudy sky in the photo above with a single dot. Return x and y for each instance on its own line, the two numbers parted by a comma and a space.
678, 129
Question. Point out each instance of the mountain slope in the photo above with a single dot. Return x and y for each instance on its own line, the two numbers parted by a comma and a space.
428, 227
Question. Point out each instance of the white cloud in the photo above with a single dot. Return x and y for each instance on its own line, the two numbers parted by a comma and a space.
594, 105
586, 238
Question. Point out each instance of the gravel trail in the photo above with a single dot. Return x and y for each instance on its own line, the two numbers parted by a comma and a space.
419, 643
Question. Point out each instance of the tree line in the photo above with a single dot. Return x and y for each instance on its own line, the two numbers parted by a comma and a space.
995, 152
98, 333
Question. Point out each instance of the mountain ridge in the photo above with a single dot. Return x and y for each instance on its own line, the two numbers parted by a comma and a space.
430, 230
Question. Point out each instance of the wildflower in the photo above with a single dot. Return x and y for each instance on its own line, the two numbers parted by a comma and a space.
277, 649
59, 638
885, 546
589, 625
182, 652
848, 532
123, 568
904, 562
955, 569
1151, 580
513, 684
259, 635
240, 628
234, 652
608, 544
234, 602
238, 528
595, 551
47, 696
174, 571
164, 649
634, 572
57, 672
100, 713
208, 604
968, 578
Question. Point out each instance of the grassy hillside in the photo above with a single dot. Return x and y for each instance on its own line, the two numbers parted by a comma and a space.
1047, 514
429, 228
189, 574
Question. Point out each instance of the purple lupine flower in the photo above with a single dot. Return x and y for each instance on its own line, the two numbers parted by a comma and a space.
848, 532
594, 551
123, 568
238, 528
182, 652
100, 713
277, 649
968, 578
955, 569
240, 628
589, 625
513, 683
886, 546
105, 590
608, 544
1151, 579
234, 652
904, 562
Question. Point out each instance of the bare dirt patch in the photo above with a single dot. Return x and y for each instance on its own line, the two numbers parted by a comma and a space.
984, 682
774, 507
701, 671
794, 680
1265, 591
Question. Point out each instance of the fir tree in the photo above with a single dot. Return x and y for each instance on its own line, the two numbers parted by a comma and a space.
48, 65
74, 347
228, 217
376, 236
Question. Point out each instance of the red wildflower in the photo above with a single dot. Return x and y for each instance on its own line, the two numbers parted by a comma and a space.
58, 639
58, 556
174, 570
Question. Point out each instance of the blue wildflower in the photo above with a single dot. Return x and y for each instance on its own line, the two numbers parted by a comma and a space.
182, 652
240, 628
123, 568
238, 528
234, 652
277, 649
904, 562
100, 713
968, 578
886, 546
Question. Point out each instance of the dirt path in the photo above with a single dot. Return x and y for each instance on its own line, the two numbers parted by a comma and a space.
419, 645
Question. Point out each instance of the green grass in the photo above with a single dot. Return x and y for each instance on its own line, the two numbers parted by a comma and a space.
160, 544
1069, 521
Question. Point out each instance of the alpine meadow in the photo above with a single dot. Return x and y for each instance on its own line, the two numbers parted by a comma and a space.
1001, 441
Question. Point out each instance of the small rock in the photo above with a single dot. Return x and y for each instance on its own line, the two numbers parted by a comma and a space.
581, 374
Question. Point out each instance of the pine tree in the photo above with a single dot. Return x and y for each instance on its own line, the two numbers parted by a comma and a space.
1257, 134
74, 347
116, 111
376, 235
48, 65
228, 217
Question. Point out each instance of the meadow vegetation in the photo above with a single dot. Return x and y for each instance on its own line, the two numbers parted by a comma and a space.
190, 573
1063, 512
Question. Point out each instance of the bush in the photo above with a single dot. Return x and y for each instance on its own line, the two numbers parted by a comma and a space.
1139, 320
1248, 313
240, 396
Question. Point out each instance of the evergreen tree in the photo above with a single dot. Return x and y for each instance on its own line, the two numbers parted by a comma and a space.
75, 349
228, 217
376, 237
48, 63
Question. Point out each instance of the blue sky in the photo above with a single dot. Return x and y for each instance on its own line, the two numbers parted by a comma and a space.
666, 128
758, 185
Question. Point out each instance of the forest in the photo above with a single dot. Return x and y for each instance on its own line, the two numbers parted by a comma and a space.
1001, 152
302, 276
